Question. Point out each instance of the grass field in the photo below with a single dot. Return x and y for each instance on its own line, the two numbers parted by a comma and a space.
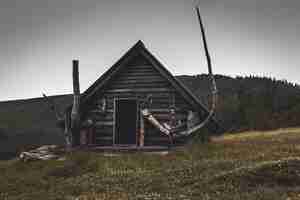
250, 165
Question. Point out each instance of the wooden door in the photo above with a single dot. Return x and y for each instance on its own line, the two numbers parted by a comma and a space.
125, 122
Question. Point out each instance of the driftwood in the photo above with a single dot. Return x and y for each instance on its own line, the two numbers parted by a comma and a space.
75, 117
148, 115
53, 107
46, 152
75, 113
171, 130
165, 128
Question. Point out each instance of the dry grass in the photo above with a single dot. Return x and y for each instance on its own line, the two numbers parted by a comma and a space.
253, 134
251, 165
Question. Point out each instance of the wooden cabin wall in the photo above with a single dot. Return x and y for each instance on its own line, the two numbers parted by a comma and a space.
137, 80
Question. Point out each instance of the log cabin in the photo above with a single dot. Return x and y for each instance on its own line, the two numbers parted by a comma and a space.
136, 103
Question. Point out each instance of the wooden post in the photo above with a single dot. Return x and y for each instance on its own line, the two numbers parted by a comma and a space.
75, 113
142, 131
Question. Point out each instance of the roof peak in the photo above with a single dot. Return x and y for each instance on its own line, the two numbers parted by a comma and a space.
139, 43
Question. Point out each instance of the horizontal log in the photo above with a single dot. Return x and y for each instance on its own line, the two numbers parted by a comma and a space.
104, 138
157, 143
156, 139
104, 142
138, 77
139, 85
96, 111
104, 134
108, 117
103, 128
146, 70
140, 67
131, 95
138, 73
140, 90
140, 81
104, 123
123, 78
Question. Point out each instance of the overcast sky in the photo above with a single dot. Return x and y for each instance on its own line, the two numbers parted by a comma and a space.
39, 39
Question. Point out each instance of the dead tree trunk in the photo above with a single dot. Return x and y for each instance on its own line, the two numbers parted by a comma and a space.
70, 121
75, 113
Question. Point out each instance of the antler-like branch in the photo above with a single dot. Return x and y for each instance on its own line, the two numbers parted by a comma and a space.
214, 85
212, 78
53, 107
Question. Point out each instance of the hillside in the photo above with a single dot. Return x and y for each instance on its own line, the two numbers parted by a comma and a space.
25, 123
250, 103
244, 103
240, 166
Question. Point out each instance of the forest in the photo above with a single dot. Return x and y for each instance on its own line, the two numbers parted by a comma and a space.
250, 103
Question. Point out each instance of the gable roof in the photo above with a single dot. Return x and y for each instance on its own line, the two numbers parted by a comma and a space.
139, 48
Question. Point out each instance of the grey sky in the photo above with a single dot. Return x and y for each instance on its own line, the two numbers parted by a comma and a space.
39, 39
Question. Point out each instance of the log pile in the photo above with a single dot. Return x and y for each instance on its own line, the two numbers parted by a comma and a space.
46, 152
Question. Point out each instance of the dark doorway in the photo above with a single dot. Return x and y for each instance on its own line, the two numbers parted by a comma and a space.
125, 121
